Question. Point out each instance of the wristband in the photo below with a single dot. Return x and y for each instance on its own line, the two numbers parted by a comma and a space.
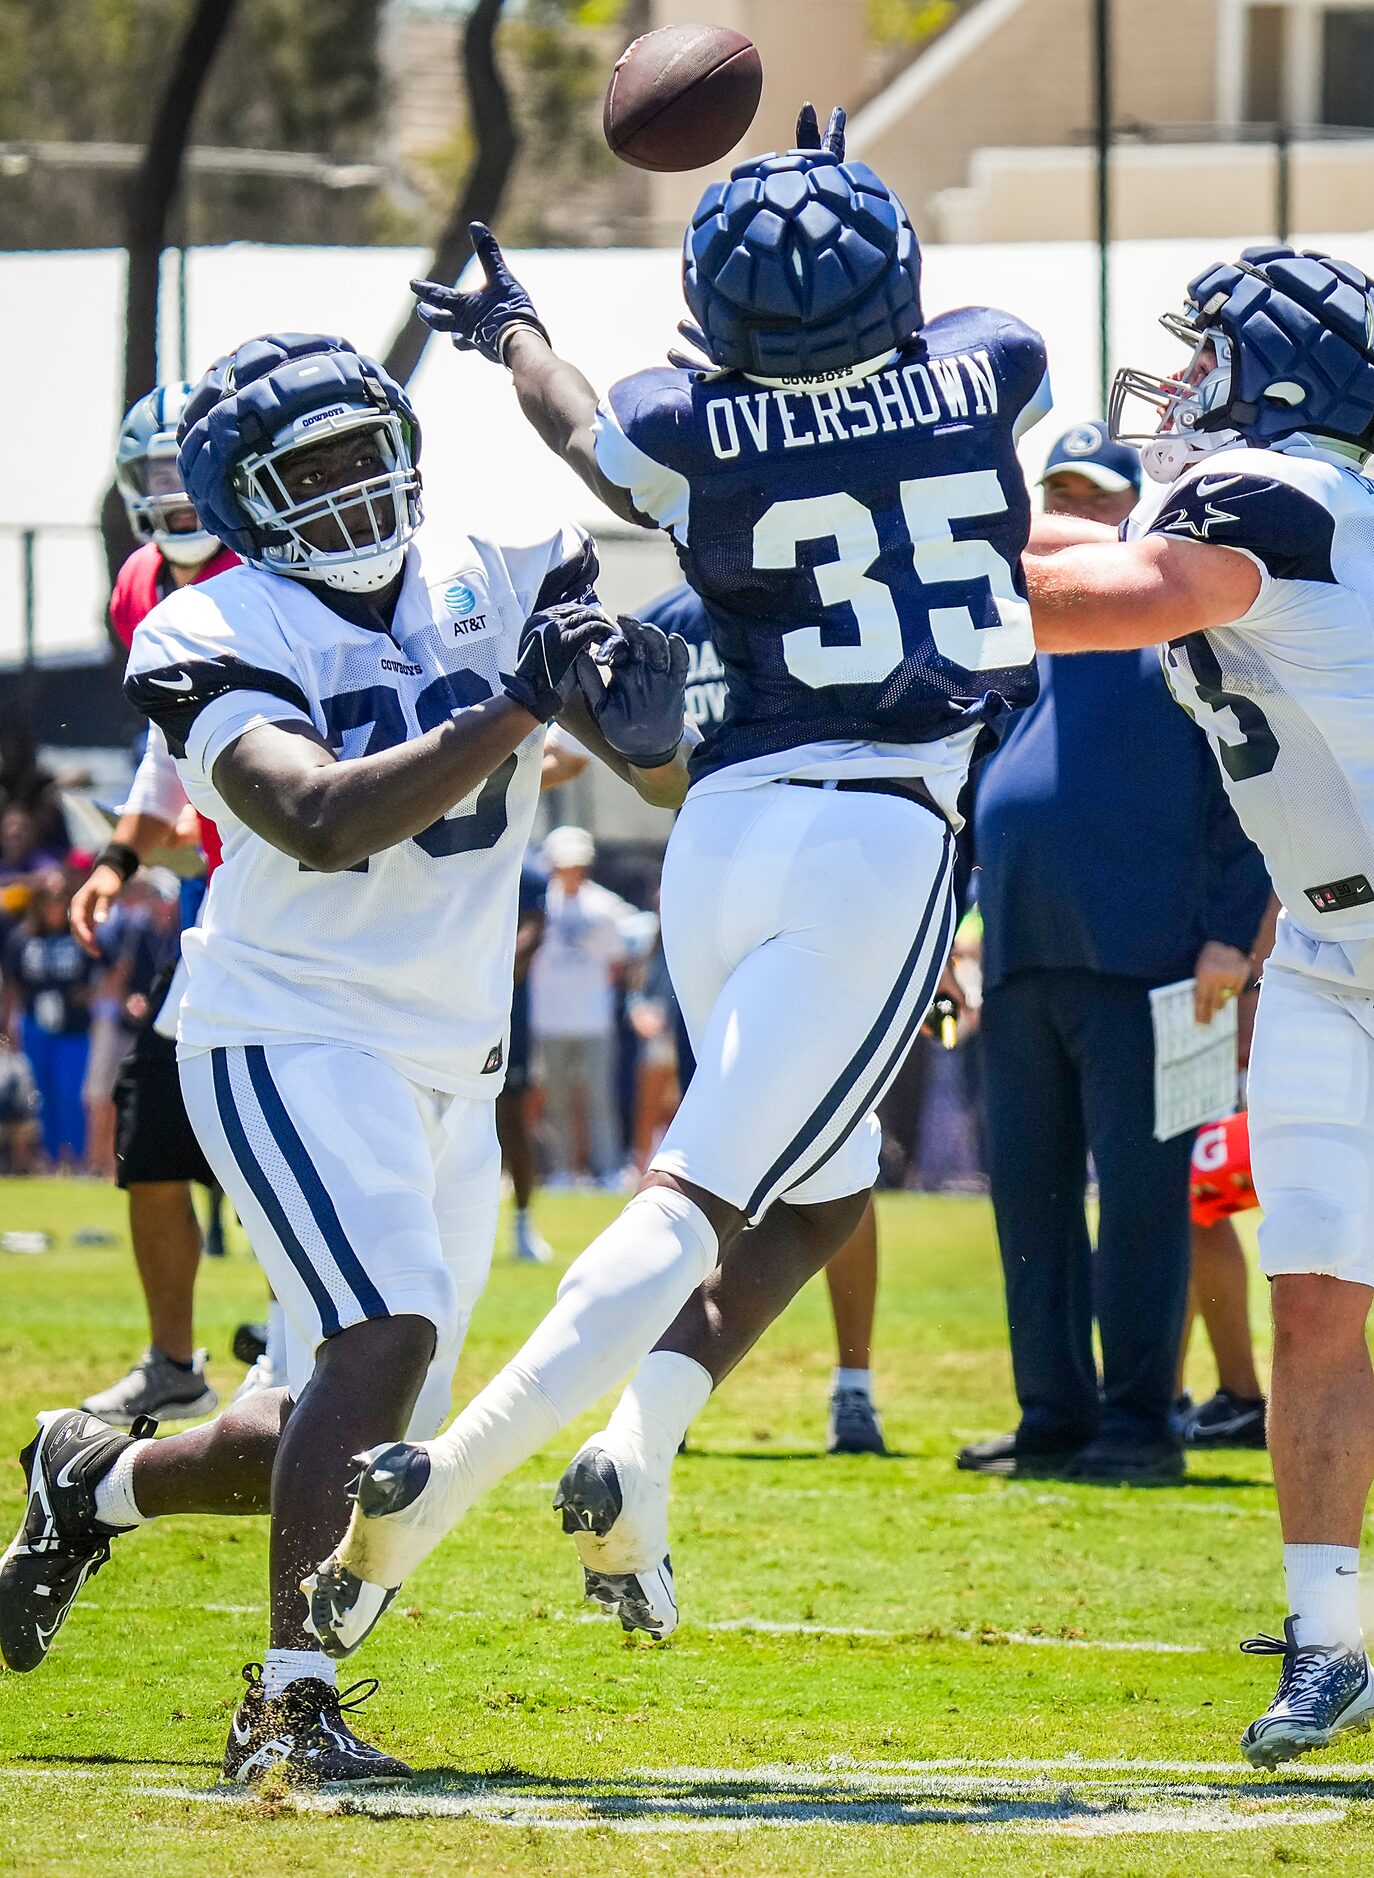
121, 857
654, 762
522, 323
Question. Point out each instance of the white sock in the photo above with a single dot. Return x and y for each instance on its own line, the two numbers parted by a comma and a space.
276, 1342
114, 1492
280, 1667
1324, 1593
661, 1401
613, 1304
859, 1379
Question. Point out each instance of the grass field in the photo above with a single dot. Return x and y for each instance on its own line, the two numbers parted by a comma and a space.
884, 1666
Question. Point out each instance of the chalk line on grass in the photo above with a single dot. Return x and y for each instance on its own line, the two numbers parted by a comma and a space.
1069, 1796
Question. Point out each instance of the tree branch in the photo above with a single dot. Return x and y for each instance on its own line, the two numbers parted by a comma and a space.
485, 184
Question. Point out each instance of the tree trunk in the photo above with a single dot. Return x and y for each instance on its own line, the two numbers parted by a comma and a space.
152, 193
495, 135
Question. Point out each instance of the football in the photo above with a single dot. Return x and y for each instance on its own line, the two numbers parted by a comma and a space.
681, 97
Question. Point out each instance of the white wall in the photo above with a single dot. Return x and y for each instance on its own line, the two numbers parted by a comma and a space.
485, 471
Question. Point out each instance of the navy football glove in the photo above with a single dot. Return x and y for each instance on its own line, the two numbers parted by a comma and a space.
809, 131
636, 688
698, 358
479, 318
545, 674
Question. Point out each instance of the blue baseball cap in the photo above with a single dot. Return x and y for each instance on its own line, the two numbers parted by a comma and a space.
1088, 450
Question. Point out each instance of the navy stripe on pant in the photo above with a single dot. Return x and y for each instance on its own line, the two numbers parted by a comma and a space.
1069, 1067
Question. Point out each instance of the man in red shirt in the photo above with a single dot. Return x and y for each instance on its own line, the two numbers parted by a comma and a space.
156, 1154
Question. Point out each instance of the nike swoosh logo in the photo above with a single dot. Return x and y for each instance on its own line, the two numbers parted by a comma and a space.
1213, 485
1347, 1571
184, 683
63, 1476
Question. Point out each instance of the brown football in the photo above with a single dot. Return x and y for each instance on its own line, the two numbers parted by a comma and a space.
681, 97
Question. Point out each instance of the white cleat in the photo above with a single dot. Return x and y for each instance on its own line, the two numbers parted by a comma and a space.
1323, 1693
617, 1515
393, 1526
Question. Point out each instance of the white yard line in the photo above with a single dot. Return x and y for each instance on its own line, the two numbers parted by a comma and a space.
1069, 1797
772, 1627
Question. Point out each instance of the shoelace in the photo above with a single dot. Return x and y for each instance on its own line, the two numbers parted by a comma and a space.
1299, 1686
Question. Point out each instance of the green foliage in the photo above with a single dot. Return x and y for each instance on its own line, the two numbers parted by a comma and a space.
908, 22
291, 75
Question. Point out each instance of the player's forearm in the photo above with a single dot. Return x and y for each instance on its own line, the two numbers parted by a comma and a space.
143, 833
1050, 533
664, 787
331, 815
561, 405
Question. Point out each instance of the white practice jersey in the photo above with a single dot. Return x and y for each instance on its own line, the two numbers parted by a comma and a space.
1286, 694
408, 955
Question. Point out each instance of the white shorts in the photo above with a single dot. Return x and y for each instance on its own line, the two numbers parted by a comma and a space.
1311, 1094
362, 1194
805, 930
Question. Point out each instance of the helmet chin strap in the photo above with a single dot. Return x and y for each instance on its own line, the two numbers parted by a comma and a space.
188, 550
378, 571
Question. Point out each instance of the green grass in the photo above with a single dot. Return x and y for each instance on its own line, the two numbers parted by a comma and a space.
728, 1750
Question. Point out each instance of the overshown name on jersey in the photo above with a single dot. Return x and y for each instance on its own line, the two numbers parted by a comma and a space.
938, 391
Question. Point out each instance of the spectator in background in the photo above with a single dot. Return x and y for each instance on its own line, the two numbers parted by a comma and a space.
572, 1006
137, 944
22, 860
1111, 862
47, 981
512, 1121
24, 783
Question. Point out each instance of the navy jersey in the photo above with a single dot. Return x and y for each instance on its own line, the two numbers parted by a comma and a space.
680, 611
856, 539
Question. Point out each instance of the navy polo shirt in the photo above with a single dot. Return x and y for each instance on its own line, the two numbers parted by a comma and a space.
1103, 833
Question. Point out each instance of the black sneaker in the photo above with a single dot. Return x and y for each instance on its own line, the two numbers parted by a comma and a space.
854, 1424
1018, 1455
61, 1543
250, 1342
1111, 1461
1227, 1421
303, 1732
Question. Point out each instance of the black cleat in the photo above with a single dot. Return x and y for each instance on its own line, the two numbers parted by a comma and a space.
1018, 1456
1226, 1421
303, 1732
590, 1500
61, 1543
250, 1342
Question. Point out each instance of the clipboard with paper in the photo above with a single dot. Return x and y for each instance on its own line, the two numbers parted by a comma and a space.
1195, 1064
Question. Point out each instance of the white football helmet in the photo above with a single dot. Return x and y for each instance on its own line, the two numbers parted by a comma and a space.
149, 481
1177, 441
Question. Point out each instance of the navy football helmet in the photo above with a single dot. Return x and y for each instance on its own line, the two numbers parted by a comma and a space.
801, 265
1281, 341
150, 483
255, 414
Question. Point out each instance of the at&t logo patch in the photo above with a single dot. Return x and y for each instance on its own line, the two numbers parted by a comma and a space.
459, 600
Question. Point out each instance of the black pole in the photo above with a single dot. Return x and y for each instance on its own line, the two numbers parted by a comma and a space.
28, 543
1283, 181
1102, 122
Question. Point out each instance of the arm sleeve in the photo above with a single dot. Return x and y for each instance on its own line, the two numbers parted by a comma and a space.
1285, 532
156, 788
1025, 372
1237, 880
560, 569
633, 434
205, 675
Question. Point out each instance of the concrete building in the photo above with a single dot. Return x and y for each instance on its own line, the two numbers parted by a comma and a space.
985, 133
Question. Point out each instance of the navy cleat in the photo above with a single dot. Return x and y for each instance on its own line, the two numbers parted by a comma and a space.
854, 1424
344, 1607
303, 1732
1325, 1690
60, 1543
591, 1500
